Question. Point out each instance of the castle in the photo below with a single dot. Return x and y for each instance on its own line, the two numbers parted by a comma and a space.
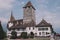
28, 23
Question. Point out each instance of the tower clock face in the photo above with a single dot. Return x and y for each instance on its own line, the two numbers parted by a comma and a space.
10, 24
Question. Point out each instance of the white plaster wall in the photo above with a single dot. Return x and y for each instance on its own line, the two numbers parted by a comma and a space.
18, 32
31, 30
10, 24
9, 33
49, 30
36, 31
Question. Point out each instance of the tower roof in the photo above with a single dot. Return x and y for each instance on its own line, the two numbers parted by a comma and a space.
43, 23
12, 17
29, 4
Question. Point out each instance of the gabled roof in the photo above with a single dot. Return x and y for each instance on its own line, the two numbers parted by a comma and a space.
12, 17
43, 23
29, 4
17, 24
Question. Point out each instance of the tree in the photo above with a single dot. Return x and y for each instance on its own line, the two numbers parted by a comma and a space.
24, 35
2, 33
14, 34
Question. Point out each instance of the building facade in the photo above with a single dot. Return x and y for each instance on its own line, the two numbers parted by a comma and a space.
28, 23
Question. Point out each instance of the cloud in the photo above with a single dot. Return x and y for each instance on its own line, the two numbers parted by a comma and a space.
50, 11
6, 4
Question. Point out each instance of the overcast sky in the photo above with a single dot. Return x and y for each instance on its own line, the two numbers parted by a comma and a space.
47, 9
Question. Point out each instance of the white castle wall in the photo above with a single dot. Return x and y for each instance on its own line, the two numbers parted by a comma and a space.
30, 29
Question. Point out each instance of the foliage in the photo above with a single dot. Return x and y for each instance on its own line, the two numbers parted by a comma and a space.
24, 35
2, 33
14, 34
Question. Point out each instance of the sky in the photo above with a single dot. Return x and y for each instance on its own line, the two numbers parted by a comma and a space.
47, 9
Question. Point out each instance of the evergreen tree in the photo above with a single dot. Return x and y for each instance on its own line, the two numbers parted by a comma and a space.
2, 33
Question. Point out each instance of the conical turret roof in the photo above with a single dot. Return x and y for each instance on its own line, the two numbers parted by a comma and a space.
12, 17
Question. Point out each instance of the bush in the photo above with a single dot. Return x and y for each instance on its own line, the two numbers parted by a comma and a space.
24, 35
31, 36
14, 34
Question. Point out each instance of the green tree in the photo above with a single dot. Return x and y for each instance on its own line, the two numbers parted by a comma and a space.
24, 35
14, 34
2, 33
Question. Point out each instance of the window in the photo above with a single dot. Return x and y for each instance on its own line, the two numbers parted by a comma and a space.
42, 29
39, 33
46, 28
39, 29
35, 34
43, 33
33, 28
47, 33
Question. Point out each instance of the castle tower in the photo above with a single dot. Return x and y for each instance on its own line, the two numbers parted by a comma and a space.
29, 13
